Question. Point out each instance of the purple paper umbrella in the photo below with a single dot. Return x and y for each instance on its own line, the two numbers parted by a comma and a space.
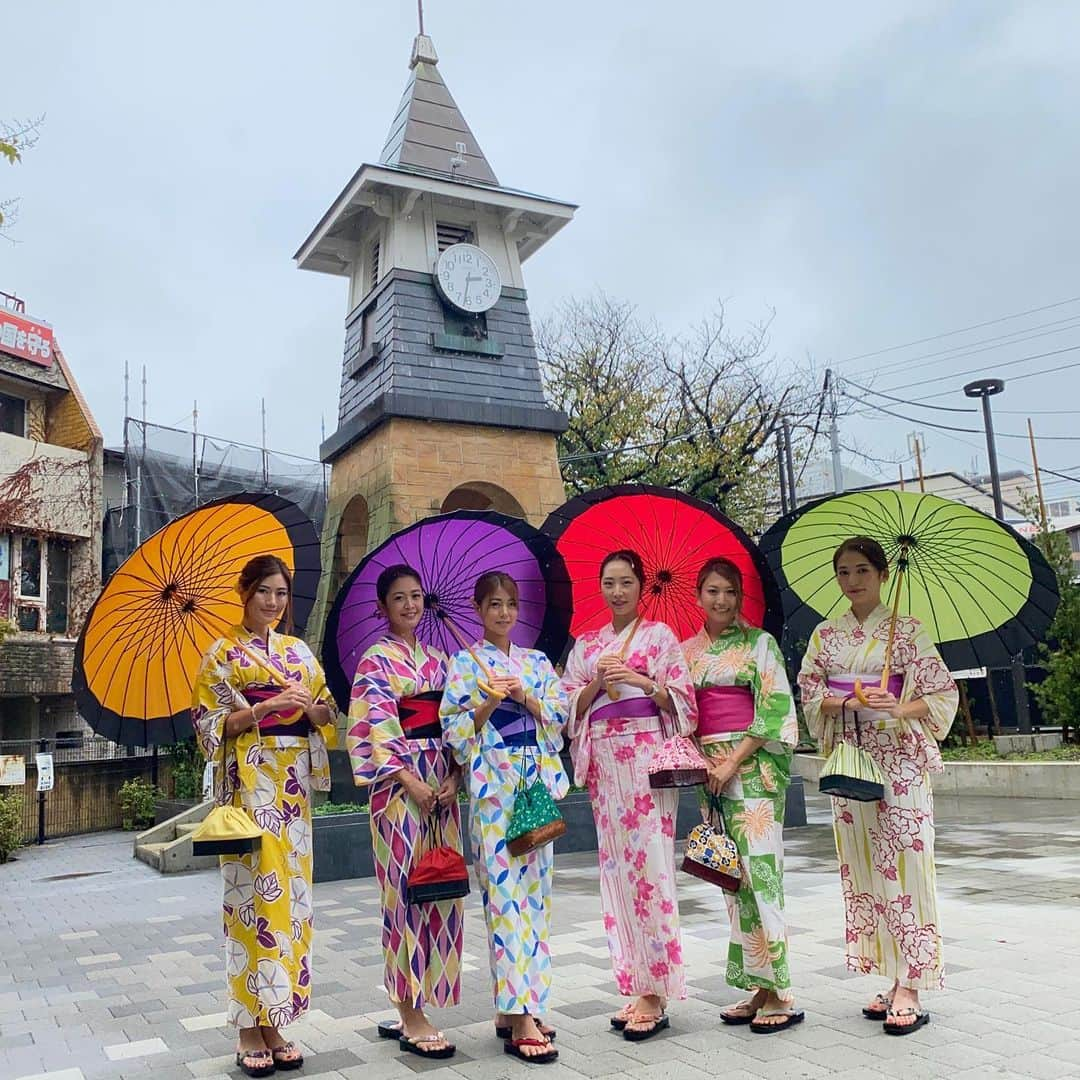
450, 552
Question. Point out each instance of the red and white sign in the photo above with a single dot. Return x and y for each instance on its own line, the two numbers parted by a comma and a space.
28, 340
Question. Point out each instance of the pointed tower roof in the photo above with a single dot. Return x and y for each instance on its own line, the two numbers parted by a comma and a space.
429, 134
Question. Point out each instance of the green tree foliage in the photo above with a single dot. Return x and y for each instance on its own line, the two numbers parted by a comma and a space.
1059, 693
696, 411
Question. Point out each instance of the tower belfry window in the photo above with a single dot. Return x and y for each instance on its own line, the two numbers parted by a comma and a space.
447, 235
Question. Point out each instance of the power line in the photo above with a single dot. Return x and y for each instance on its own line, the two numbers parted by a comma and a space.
990, 344
961, 330
993, 367
904, 401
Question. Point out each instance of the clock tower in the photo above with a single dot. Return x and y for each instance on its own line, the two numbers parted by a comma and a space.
441, 405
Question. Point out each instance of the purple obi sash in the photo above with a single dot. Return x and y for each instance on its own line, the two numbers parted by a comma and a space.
629, 708
844, 684
276, 723
514, 723
724, 709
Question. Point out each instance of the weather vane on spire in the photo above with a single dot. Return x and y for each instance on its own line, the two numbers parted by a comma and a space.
420, 12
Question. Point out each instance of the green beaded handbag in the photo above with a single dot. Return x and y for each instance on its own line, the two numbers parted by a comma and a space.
535, 819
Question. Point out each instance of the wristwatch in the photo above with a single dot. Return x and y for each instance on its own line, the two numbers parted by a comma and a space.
656, 688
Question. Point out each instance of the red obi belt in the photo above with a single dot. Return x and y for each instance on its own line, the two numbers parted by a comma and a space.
419, 715
294, 722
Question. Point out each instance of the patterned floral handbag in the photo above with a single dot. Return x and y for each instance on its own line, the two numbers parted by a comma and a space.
439, 874
677, 763
535, 819
710, 853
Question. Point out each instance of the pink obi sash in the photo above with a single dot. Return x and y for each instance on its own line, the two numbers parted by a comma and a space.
724, 709
625, 709
844, 685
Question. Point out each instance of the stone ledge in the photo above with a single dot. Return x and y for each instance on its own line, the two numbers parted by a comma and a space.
1005, 779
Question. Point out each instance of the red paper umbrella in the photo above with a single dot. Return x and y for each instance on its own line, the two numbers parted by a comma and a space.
674, 534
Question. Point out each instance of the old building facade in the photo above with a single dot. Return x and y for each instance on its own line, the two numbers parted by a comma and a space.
50, 525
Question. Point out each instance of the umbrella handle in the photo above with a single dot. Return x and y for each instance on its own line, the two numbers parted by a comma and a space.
489, 690
612, 689
860, 694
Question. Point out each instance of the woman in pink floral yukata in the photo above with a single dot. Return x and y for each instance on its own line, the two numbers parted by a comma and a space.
622, 680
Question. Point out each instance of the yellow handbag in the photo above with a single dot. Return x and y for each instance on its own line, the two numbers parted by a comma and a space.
226, 830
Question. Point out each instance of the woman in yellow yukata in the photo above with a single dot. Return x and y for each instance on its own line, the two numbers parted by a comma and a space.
275, 754
885, 848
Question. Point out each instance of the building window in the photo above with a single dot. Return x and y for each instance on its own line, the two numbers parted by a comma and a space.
30, 567
58, 582
29, 618
447, 235
13, 415
1074, 541
5, 556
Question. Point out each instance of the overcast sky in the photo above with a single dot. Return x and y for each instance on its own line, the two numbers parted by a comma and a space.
877, 173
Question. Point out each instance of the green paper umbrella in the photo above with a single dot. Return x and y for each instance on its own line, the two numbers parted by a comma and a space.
983, 592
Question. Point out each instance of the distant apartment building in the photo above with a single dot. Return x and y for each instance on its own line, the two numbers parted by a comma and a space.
50, 525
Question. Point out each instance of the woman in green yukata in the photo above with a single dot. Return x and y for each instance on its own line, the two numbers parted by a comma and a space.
748, 728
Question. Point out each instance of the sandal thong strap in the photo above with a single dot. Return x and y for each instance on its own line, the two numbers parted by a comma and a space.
910, 1011
417, 1039
790, 1011
258, 1055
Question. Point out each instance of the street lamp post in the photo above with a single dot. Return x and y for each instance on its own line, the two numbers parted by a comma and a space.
984, 390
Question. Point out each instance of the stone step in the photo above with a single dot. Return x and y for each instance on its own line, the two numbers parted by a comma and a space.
187, 828
150, 854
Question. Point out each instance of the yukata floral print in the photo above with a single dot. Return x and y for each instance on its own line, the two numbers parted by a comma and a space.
753, 800
635, 825
516, 890
421, 942
267, 902
886, 848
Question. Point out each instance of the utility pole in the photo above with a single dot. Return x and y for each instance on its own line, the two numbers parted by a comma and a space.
834, 432
790, 463
780, 469
984, 390
1038, 478
916, 445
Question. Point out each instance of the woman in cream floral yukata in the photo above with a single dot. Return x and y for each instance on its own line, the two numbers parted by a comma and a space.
628, 684
275, 754
885, 848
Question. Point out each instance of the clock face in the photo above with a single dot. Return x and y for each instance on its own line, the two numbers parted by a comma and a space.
467, 278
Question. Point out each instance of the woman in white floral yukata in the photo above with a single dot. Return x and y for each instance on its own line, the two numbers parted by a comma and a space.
621, 679
885, 848
748, 729
275, 754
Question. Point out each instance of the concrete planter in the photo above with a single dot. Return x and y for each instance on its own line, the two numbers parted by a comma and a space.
1004, 779
342, 842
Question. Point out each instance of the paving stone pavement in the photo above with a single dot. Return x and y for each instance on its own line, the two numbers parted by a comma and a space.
108, 969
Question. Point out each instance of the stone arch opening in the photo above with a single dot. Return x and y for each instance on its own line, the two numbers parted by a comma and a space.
350, 545
480, 495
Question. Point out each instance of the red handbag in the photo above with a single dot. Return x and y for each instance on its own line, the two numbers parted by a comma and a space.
439, 874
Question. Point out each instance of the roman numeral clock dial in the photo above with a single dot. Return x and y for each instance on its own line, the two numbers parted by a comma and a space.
467, 278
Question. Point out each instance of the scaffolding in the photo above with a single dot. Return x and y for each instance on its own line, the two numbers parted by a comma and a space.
169, 472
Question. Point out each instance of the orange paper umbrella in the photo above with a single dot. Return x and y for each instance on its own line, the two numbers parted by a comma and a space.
140, 649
